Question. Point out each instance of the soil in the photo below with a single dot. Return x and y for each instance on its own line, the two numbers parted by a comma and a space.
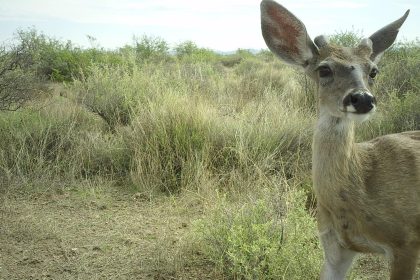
95, 234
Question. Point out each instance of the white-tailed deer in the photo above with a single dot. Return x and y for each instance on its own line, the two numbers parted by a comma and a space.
368, 194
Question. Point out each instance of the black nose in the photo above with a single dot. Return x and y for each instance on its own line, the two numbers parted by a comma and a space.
362, 102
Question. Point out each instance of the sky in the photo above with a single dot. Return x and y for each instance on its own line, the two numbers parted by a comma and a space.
223, 25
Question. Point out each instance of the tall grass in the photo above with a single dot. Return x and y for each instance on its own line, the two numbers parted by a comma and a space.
36, 142
183, 122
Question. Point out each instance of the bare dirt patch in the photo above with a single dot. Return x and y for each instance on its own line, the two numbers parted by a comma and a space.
95, 234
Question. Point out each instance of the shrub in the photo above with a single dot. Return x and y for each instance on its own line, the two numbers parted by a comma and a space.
189, 51
150, 48
60, 61
186, 48
18, 80
261, 240
346, 38
230, 60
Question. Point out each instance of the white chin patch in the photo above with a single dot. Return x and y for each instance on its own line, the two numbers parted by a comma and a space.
351, 114
358, 117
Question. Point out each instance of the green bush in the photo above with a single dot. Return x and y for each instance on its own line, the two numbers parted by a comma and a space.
233, 59
261, 240
346, 38
60, 61
150, 48
19, 82
189, 51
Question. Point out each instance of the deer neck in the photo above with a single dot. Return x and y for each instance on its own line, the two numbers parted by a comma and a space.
335, 159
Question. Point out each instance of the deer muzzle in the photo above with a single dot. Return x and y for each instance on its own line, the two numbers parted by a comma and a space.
359, 102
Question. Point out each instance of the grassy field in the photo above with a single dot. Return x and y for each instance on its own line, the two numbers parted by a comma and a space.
193, 165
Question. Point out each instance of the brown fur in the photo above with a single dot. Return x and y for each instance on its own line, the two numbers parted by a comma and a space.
369, 190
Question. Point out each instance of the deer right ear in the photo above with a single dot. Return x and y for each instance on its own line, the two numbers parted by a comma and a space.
285, 35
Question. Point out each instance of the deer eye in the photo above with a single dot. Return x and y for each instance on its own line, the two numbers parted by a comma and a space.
373, 73
324, 71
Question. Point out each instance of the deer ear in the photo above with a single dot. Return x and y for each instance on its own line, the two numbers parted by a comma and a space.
285, 35
384, 37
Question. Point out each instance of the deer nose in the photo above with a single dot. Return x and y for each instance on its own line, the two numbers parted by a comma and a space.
362, 102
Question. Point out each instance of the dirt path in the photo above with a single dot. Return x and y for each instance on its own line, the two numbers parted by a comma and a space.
94, 234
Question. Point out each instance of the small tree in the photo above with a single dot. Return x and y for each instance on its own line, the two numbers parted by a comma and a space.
189, 50
18, 80
149, 47
186, 48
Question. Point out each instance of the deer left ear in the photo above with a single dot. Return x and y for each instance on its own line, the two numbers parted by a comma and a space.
385, 37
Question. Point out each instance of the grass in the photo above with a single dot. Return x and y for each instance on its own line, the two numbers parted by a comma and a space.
179, 168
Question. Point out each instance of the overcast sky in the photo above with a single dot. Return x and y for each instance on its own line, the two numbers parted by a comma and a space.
217, 24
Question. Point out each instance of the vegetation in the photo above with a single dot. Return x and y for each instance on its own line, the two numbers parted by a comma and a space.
231, 134
257, 240
18, 79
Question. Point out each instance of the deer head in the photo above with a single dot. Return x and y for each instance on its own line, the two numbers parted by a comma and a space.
343, 75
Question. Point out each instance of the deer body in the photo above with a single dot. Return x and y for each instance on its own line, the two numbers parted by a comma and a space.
368, 194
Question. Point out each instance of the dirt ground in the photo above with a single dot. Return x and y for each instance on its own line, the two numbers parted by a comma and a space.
95, 234
110, 233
